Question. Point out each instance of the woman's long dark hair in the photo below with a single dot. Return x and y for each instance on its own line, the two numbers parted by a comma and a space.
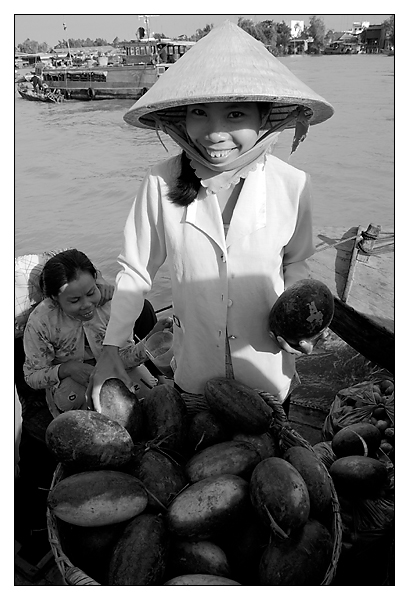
186, 185
63, 268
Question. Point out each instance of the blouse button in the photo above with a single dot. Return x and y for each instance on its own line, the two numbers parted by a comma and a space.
232, 337
229, 302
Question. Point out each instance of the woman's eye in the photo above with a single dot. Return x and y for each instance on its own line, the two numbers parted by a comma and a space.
236, 114
198, 112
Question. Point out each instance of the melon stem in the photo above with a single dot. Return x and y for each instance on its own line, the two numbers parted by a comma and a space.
276, 529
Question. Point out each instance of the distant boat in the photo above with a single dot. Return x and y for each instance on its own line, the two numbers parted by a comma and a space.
141, 66
50, 97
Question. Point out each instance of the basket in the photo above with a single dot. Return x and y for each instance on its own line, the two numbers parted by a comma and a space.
286, 437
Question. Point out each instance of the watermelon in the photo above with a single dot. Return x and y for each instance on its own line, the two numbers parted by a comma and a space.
302, 312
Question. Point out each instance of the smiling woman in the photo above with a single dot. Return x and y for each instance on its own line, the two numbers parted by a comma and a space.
232, 220
223, 131
64, 333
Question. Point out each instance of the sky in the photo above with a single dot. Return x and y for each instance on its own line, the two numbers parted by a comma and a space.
48, 27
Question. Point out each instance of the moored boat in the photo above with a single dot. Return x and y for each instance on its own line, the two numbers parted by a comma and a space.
49, 96
358, 267
141, 66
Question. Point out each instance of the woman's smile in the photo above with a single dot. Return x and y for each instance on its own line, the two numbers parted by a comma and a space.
222, 131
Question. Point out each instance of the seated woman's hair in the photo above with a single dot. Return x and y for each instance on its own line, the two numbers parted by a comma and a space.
63, 268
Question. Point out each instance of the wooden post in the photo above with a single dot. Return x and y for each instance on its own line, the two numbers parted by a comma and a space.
367, 243
352, 265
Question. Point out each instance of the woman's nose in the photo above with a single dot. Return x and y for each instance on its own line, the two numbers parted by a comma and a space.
86, 304
218, 135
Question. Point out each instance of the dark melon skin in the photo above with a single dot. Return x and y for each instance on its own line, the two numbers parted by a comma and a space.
263, 443
121, 405
165, 418
315, 476
205, 430
95, 498
203, 508
140, 555
302, 312
276, 485
302, 559
348, 442
195, 557
244, 546
241, 407
358, 476
161, 475
87, 440
234, 457
200, 579
90, 548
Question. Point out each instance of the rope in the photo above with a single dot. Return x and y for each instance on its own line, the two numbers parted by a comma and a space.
376, 250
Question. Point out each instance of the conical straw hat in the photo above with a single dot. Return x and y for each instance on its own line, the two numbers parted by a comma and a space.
227, 65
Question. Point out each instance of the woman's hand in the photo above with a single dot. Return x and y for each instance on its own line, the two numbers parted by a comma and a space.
305, 347
161, 325
106, 289
78, 371
108, 365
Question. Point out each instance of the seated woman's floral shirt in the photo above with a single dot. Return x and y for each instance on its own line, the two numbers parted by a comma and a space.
51, 337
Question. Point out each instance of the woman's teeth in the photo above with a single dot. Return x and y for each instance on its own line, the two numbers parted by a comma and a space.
218, 153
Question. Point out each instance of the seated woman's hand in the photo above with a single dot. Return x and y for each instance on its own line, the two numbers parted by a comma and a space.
106, 289
304, 346
161, 325
78, 371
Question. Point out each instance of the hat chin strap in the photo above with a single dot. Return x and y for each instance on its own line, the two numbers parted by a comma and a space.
217, 177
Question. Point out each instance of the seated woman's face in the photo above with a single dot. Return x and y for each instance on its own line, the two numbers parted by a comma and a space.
79, 298
222, 131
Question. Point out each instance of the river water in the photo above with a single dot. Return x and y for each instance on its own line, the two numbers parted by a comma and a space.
78, 164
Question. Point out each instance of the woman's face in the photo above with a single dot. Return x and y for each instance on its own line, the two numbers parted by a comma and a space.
79, 298
222, 131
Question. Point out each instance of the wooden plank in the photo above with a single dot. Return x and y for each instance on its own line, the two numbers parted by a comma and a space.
371, 284
366, 336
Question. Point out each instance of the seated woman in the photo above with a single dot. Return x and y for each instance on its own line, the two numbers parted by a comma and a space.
64, 333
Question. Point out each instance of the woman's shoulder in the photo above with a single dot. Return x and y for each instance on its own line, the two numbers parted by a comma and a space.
167, 169
45, 308
279, 166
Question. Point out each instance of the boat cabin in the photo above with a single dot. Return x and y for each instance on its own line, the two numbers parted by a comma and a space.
154, 51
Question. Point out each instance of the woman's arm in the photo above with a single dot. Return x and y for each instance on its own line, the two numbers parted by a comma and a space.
300, 247
133, 354
39, 370
143, 253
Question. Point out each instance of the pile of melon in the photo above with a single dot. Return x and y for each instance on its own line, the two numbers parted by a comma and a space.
370, 403
150, 493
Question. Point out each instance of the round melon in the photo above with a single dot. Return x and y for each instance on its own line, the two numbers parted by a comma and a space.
302, 312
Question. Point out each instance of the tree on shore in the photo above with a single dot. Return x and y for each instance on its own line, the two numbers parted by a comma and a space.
316, 30
389, 25
201, 32
32, 47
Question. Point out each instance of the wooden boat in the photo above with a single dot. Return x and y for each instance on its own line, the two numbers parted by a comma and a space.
49, 96
358, 266
141, 66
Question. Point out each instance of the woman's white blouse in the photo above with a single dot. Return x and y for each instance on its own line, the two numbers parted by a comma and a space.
219, 283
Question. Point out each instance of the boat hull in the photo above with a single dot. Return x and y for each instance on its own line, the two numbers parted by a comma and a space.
102, 83
33, 97
362, 282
